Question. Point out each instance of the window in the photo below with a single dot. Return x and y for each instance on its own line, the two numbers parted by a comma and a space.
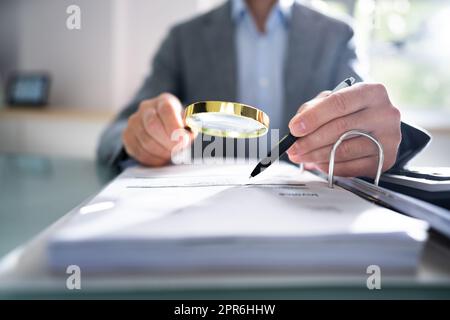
407, 43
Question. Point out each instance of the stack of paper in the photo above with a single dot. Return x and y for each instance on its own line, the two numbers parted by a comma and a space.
197, 218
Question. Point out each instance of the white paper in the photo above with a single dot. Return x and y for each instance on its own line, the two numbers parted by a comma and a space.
157, 209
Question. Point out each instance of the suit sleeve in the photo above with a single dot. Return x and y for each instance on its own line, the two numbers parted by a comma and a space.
348, 63
414, 139
164, 77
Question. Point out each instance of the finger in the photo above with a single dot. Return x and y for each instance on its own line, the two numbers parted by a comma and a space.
151, 160
182, 138
169, 110
192, 133
154, 127
350, 149
130, 143
135, 150
323, 94
363, 167
338, 104
310, 166
366, 120
150, 144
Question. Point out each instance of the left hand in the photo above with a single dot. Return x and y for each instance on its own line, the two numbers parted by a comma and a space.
321, 121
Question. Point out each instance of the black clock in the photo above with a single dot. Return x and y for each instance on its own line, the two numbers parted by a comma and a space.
27, 89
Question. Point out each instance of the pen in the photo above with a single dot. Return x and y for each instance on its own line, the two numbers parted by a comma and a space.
287, 141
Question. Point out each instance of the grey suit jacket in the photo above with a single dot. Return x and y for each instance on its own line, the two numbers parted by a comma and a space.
197, 62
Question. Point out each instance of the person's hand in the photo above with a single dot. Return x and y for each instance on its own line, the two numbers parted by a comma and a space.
155, 129
321, 121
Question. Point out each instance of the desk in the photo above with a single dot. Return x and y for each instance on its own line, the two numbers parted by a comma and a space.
35, 192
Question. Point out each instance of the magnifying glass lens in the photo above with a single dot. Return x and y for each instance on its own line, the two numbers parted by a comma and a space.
226, 125
227, 119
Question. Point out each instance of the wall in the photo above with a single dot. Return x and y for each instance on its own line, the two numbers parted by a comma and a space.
79, 61
96, 68
99, 66
8, 37
140, 26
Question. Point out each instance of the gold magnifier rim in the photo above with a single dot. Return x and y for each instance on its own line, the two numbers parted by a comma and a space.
230, 108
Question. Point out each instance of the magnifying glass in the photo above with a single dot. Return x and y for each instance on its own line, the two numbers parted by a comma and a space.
226, 119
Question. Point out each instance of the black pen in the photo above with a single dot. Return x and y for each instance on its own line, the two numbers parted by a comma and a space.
287, 141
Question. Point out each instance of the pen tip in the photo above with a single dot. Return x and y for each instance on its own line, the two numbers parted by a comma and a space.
254, 173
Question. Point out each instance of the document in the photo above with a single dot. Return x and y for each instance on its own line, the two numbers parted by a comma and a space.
195, 218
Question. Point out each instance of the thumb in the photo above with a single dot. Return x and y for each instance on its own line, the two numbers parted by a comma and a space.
323, 94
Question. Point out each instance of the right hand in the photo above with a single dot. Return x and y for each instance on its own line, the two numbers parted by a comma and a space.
149, 132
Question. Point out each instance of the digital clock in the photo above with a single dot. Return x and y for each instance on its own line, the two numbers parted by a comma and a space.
28, 89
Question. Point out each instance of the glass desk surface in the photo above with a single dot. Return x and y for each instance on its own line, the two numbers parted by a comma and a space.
37, 191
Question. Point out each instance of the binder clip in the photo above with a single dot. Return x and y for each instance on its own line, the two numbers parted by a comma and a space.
339, 141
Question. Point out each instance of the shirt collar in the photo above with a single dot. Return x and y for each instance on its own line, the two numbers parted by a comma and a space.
239, 9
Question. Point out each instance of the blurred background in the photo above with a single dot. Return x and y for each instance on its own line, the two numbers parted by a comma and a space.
94, 71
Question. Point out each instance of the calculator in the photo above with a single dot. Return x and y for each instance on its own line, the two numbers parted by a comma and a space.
431, 184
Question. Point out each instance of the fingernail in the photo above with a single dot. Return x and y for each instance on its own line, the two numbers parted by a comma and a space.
292, 150
302, 126
293, 123
297, 126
